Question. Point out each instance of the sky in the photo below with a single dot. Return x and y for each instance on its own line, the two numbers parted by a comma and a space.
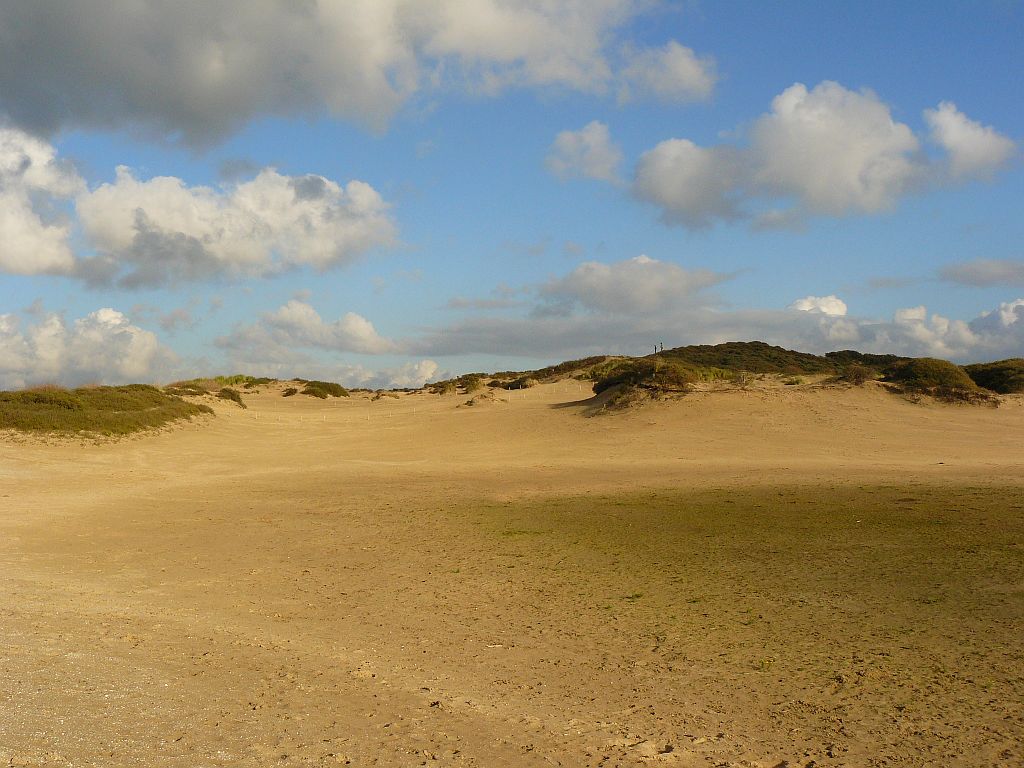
389, 192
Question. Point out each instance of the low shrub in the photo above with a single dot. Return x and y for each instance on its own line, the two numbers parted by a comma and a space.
324, 389
857, 374
444, 388
289, 392
227, 393
1003, 376
653, 375
938, 378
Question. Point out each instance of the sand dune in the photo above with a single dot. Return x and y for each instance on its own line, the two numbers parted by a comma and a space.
787, 575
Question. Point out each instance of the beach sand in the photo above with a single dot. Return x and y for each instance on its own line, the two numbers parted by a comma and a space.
783, 576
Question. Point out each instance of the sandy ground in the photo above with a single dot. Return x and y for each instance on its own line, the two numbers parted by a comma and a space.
785, 576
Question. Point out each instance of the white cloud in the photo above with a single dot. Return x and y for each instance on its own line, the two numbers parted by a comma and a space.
162, 231
974, 149
916, 334
104, 347
411, 375
694, 186
985, 272
33, 231
1007, 320
197, 71
628, 306
825, 305
828, 151
588, 152
836, 151
297, 324
673, 73
640, 285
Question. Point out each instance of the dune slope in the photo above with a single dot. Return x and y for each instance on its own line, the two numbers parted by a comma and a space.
787, 574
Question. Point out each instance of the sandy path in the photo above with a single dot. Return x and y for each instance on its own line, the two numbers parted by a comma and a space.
311, 582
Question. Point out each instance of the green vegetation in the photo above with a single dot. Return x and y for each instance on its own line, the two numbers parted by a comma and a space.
289, 392
95, 410
857, 374
846, 357
468, 383
1003, 376
324, 389
192, 387
753, 356
650, 374
208, 386
227, 393
244, 380
938, 378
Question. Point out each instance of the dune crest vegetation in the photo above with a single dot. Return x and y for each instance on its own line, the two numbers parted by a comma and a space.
104, 410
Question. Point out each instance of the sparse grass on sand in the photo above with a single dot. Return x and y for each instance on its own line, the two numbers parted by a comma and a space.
886, 605
98, 410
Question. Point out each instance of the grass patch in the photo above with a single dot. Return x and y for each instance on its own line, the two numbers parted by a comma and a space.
96, 410
753, 356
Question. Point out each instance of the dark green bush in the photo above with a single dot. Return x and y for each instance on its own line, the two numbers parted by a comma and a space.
289, 392
753, 356
857, 374
1003, 376
324, 389
227, 393
646, 373
938, 378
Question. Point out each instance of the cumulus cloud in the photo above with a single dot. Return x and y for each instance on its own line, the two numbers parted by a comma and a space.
985, 272
640, 285
835, 150
104, 346
826, 305
293, 339
411, 375
588, 152
694, 186
296, 324
673, 73
826, 151
162, 231
1004, 322
149, 233
196, 71
973, 149
34, 231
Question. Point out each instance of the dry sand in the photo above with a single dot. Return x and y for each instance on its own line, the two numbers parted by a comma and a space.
785, 576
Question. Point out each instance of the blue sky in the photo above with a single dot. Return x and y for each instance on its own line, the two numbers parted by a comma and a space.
387, 192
